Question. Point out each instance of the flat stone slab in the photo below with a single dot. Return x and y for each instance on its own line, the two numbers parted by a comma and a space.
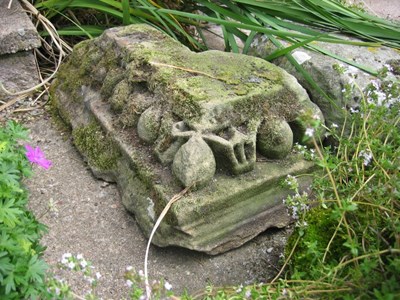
17, 32
155, 117
18, 72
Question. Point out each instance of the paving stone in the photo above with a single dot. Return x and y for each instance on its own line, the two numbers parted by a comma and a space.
17, 33
18, 72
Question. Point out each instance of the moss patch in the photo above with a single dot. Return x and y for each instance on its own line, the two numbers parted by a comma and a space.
314, 239
99, 149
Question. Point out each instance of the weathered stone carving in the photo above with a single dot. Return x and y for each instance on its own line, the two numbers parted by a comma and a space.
153, 116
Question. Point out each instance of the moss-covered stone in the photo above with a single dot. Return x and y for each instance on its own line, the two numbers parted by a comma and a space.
141, 106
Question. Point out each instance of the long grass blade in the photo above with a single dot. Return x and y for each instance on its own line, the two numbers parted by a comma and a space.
126, 16
286, 50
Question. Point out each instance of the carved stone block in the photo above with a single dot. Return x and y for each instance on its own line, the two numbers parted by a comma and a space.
151, 115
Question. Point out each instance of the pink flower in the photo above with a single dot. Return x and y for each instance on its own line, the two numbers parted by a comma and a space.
36, 156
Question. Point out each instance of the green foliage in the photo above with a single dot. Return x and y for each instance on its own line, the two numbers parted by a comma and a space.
183, 20
352, 241
21, 269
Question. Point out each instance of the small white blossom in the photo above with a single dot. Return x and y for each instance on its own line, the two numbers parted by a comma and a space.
380, 99
65, 258
71, 265
129, 268
64, 261
247, 294
129, 283
294, 212
309, 132
375, 83
98, 275
141, 273
91, 280
334, 125
83, 264
366, 155
79, 256
312, 153
389, 67
291, 181
354, 110
167, 286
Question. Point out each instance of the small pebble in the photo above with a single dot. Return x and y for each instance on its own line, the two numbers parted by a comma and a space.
105, 184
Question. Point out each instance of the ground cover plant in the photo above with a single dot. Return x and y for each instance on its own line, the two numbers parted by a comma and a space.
22, 271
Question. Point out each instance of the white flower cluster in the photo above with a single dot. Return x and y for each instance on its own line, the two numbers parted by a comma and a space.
136, 280
291, 182
79, 263
297, 203
376, 96
309, 132
247, 291
308, 154
366, 155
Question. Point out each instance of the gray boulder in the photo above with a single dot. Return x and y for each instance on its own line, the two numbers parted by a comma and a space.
341, 82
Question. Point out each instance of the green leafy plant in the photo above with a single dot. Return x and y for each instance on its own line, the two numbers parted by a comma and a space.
22, 272
176, 18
